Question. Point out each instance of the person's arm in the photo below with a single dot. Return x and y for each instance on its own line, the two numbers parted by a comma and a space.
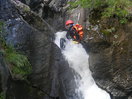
76, 35
68, 35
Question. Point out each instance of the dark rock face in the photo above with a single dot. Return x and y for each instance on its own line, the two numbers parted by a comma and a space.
36, 44
50, 10
111, 65
63, 83
4, 74
29, 34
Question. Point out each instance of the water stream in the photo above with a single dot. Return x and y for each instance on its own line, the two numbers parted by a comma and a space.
77, 58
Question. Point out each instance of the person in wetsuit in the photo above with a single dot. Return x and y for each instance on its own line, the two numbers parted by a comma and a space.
74, 32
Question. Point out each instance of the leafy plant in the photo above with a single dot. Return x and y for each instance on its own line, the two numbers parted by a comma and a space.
19, 63
118, 8
87, 3
108, 31
2, 95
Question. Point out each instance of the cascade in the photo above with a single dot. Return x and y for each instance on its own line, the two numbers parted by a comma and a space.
77, 58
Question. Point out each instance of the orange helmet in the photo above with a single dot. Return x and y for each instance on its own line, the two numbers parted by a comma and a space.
69, 22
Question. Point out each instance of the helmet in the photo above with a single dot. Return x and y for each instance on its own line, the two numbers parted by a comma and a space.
69, 22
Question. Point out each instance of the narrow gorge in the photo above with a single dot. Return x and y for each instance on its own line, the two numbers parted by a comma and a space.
32, 66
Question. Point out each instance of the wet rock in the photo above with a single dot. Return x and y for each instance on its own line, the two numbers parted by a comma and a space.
30, 34
51, 11
32, 37
4, 74
63, 80
110, 64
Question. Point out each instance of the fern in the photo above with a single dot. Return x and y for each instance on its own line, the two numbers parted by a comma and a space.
19, 63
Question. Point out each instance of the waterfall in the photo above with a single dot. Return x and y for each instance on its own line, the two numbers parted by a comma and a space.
77, 58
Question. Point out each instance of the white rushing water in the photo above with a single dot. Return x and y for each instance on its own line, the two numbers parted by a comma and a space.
77, 58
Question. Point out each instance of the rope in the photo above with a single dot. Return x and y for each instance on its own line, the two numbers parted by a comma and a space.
78, 18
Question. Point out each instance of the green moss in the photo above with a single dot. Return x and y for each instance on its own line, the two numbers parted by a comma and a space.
26, 9
105, 32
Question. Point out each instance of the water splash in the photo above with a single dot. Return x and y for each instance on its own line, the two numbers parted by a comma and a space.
77, 58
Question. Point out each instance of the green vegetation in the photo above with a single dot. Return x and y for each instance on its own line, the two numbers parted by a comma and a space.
2, 95
26, 8
111, 8
18, 63
108, 31
1, 24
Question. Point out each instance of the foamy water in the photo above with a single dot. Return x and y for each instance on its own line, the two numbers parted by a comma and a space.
77, 58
